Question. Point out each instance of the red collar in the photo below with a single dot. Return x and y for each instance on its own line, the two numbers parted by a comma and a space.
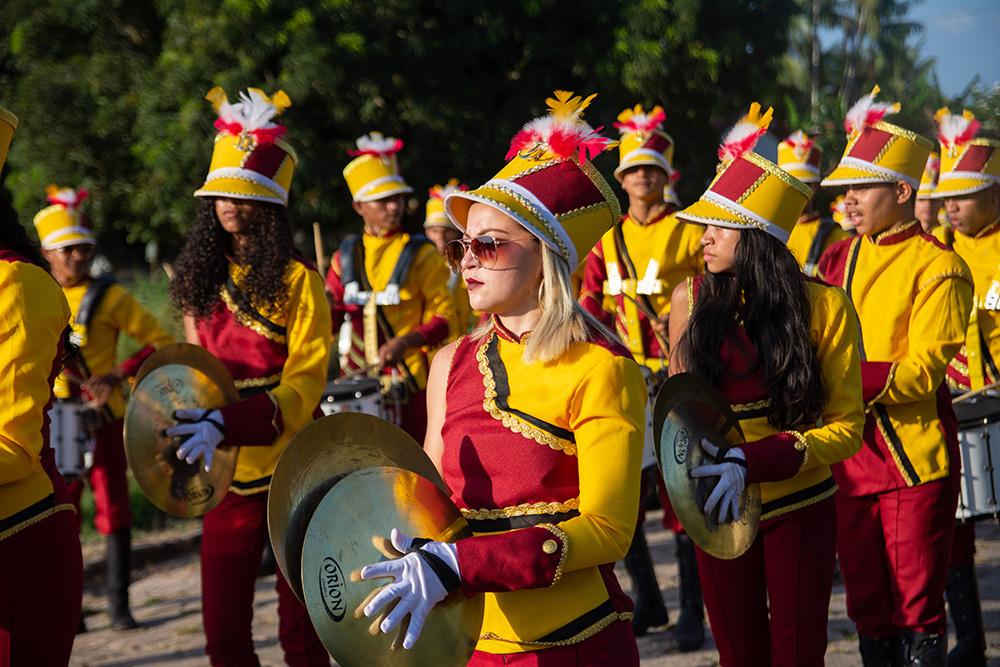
907, 231
506, 333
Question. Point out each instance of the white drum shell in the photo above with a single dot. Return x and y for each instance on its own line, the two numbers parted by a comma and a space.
69, 437
366, 398
979, 448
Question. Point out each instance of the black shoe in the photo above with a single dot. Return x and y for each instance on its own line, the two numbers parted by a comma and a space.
926, 650
119, 550
962, 593
82, 626
689, 633
881, 651
268, 565
649, 608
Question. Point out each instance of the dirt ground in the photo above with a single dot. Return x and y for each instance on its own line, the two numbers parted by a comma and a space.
166, 601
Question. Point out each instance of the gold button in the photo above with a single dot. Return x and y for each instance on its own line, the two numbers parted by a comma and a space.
550, 546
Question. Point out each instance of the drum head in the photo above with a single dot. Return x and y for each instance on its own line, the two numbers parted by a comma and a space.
688, 409
339, 541
173, 378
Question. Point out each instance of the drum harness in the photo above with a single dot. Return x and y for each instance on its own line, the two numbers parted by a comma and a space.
358, 291
89, 304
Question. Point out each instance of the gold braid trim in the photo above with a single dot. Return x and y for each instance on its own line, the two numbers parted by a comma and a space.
943, 276
27, 523
247, 321
257, 382
510, 421
564, 541
801, 445
750, 407
689, 282
613, 617
799, 505
892, 451
888, 234
524, 509
885, 389
250, 492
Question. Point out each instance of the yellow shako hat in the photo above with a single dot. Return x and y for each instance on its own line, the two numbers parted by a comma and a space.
549, 184
877, 151
749, 191
929, 179
838, 211
799, 155
61, 223
250, 160
436, 216
643, 141
374, 172
8, 123
968, 163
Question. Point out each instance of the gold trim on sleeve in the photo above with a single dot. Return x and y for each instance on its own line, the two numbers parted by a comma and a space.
564, 541
885, 389
801, 445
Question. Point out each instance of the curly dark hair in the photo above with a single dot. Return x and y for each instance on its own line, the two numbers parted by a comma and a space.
15, 237
203, 265
766, 291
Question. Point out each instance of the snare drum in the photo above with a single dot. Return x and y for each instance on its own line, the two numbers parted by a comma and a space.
354, 395
979, 448
71, 436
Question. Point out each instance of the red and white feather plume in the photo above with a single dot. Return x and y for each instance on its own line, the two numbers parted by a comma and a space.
867, 111
68, 198
252, 115
801, 143
743, 136
955, 130
442, 191
563, 132
377, 145
638, 121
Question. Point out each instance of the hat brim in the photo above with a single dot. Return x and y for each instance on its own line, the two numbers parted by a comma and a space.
384, 191
641, 161
704, 212
233, 188
960, 187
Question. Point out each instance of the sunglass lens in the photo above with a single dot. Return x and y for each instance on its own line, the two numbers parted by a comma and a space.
484, 249
455, 251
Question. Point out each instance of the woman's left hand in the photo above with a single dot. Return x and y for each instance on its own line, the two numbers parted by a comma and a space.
732, 473
424, 574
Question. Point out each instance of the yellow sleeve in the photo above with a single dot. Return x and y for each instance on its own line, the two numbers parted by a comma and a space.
431, 273
936, 332
33, 315
303, 378
835, 329
608, 421
135, 321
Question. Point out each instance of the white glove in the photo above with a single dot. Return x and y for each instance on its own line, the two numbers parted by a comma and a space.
200, 431
417, 586
732, 474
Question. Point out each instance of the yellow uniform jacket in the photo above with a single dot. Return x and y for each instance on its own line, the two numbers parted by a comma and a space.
810, 238
978, 362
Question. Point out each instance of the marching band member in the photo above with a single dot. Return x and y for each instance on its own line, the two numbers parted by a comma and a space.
896, 505
783, 350
626, 285
928, 209
838, 213
969, 185
535, 420
441, 231
799, 155
254, 304
100, 311
42, 573
389, 289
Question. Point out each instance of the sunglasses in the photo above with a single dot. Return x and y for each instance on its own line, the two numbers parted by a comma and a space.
484, 250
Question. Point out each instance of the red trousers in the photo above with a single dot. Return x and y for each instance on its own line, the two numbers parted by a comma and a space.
789, 569
615, 645
232, 542
669, 520
107, 481
895, 548
41, 590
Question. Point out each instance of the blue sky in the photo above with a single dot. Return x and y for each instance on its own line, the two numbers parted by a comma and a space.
963, 36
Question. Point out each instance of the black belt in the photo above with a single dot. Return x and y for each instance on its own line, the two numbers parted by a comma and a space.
526, 521
31, 511
579, 624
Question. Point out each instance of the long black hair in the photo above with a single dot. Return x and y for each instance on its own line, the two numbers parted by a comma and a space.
203, 265
766, 293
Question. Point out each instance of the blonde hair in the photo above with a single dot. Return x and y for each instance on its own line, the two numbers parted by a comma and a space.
563, 321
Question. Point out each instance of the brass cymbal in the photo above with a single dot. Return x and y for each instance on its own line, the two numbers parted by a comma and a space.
315, 459
686, 410
176, 377
339, 540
